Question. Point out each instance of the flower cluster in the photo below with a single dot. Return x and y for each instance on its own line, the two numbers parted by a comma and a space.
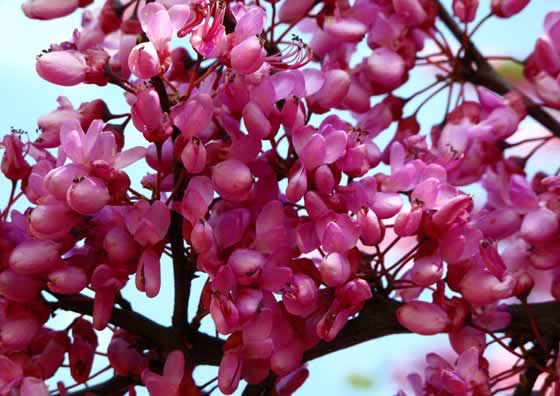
290, 210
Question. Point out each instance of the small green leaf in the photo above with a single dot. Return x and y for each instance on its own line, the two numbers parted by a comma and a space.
360, 381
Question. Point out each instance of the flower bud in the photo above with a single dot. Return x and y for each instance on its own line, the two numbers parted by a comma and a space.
294, 10
52, 221
465, 10
427, 270
194, 156
297, 183
247, 56
407, 223
51, 9
67, 280
423, 318
14, 166
256, 122
246, 264
386, 67
119, 245
411, 11
540, 225
18, 333
508, 8
65, 68
148, 273
19, 287
232, 177
146, 111
335, 269
60, 179
202, 237
143, 61
335, 88
88, 195
34, 257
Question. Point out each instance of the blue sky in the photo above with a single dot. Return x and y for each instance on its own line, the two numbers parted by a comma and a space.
25, 96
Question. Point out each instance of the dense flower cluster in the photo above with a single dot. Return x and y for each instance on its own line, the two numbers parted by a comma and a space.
289, 215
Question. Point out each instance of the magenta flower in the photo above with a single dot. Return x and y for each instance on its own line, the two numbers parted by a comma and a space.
169, 382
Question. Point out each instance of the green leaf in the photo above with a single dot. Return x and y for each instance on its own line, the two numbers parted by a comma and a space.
360, 381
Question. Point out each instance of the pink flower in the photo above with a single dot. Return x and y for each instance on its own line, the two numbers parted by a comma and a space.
84, 148
423, 318
316, 148
123, 355
167, 384
246, 265
82, 350
148, 223
465, 10
67, 280
461, 378
14, 166
412, 11
49, 9
232, 179
386, 68
148, 277
62, 67
508, 8
335, 269
209, 38
194, 156
197, 198
293, 10
87, 195
146, 111
143, 61
348, 300
229, 373
18, 287
481, 287
34, 257
301, 295
106, 282
10, 374
194, 116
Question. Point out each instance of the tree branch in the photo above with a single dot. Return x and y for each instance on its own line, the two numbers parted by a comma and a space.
485, 75
113, 386
265, 388
181, 278
128, 320
529, 377
377, 319
202, 348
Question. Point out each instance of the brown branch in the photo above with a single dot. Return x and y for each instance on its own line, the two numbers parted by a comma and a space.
181, 278
125, 319
265, 388
377, 319
484, 74
114, 386
529, 377
202, 349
